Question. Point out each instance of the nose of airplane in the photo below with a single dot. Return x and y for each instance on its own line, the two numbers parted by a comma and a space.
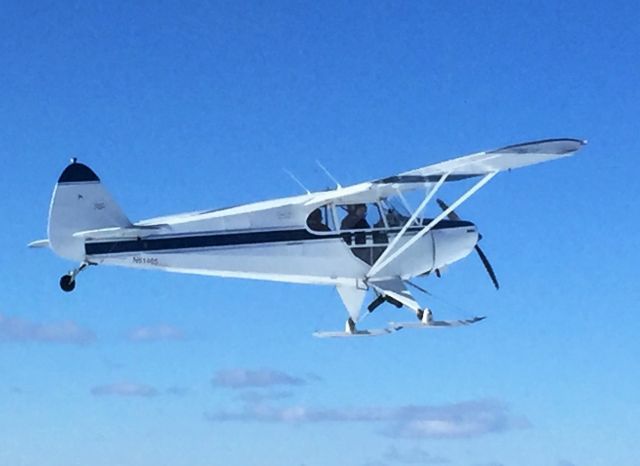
454, 242
463, 243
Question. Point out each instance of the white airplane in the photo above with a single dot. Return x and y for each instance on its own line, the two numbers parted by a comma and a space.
357, 238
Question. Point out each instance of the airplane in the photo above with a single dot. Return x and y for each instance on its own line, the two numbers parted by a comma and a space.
359, 238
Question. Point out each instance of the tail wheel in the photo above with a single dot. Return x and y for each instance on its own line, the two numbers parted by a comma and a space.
67, 283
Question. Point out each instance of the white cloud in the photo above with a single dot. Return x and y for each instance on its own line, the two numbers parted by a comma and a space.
125, 389
244, 378
177, 390
253, 396
414, 455
156, 333
565, 463
17, 329
458, 420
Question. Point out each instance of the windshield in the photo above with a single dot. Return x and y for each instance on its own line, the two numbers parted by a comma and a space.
395, 211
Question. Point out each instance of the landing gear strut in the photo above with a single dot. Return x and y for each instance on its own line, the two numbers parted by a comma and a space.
68, 281
380, 299
350, 326
425, 316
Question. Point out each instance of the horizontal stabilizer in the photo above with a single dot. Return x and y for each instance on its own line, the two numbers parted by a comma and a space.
41, 243
436, 323
135, 231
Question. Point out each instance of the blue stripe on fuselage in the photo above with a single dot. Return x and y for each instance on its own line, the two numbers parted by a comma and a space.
204, 240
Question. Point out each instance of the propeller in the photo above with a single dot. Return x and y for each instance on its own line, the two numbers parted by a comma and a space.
453, 216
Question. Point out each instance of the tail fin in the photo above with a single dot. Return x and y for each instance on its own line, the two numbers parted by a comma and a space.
80, 202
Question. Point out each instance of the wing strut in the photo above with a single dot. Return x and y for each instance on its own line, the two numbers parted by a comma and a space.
429, 195
384, 261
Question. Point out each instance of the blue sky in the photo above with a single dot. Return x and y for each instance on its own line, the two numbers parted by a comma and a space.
199, 105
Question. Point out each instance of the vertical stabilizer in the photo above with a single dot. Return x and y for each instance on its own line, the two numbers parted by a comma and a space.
80, 202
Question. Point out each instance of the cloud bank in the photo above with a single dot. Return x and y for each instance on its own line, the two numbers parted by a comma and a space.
177, 390
17, 329
124, 389
565, 463
254, 396
414, 455
262, 378
155, 333
456, 420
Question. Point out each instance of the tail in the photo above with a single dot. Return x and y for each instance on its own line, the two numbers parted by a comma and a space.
79, 203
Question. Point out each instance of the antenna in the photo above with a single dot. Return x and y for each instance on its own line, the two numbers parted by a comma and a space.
298, 182
331, 177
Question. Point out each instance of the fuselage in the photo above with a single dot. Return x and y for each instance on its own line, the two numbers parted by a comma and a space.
355, 237
273, 240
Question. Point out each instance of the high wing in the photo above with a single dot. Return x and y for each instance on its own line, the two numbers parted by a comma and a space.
497, 160
468, 166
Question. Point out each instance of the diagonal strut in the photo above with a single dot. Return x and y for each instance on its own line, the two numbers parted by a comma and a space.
380, 264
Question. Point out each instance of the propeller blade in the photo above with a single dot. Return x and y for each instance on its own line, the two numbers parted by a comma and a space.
487, 266
452, 215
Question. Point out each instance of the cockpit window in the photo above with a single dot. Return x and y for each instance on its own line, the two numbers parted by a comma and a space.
363, 229
321, 219
360, 216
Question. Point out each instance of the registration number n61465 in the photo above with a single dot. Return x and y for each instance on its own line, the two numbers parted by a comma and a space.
145, 260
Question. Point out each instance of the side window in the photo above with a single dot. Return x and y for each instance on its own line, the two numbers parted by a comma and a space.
374, 217
359, 216
321, 219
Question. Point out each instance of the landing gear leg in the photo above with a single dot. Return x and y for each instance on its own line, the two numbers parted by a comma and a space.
425, 316
380, 299
68, 281
376, 303
350, 326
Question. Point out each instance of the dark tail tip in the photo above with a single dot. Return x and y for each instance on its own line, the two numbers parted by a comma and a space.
77, 173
